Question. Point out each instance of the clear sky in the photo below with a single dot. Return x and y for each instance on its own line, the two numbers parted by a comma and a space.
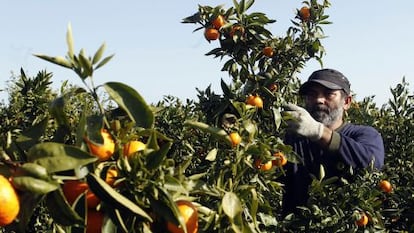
370, 41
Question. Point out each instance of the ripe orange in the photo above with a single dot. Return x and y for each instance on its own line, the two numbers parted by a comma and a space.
9, 202
363, 221
189, 212
235, 138
218, 22
111, 176
236, 29
73, 188
268, 51
132, 147
385, 186
272, 87
263, 166
211, 34
102, 151
94, 221
254, 100
304, 13
280, 159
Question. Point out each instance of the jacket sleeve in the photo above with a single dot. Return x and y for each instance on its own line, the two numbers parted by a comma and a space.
359, 147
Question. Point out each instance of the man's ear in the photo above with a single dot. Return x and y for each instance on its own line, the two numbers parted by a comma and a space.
347, 102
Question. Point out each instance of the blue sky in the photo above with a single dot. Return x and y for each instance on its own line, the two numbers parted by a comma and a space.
369, 41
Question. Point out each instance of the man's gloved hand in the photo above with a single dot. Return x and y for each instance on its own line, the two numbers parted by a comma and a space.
302, 123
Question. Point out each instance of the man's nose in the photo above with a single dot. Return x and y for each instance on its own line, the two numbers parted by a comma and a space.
320, 98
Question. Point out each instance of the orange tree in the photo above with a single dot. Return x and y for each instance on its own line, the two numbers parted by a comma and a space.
236, 195
50, 144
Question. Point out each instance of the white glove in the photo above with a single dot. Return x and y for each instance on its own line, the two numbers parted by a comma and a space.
302, 123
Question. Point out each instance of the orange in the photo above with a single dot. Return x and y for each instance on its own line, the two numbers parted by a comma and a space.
236, 29
255, 100
385, 186
280, 159
268, 51
263, 166
190, 215
132, 147
102, 151
73, 188
272, 87
362, 221
304, 13
94, 221
211, 34
111, 176
235, 138
9, 202
218, 22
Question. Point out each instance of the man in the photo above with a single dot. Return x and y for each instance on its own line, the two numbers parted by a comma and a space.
319, 135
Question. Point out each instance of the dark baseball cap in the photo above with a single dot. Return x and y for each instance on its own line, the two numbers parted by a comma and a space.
328, 78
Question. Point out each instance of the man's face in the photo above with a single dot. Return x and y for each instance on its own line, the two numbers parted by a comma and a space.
325, 105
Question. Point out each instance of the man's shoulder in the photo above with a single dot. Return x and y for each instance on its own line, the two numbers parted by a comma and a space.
355, 128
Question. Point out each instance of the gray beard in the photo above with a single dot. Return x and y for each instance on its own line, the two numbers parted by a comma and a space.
326, 116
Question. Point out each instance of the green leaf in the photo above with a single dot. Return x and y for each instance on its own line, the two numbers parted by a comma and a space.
69, 41
214, 131
56, 157
211, 156
231, 205
60, 210
34, 185
109, 196
132, 102
86, 65
98, 54
31, 136
33, 170
55, 60
56, 109
104, 61
155, 158
28, 203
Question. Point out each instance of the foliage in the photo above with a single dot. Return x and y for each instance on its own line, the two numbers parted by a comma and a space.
188, 152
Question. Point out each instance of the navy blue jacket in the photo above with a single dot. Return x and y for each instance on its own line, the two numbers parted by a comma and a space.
351, 145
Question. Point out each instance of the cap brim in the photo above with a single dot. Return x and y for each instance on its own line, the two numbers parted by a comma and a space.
324, 83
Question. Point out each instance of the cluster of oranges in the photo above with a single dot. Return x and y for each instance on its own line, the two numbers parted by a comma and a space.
72, 189
279, 160
214, 29
213, 32
364, 219
105, 150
